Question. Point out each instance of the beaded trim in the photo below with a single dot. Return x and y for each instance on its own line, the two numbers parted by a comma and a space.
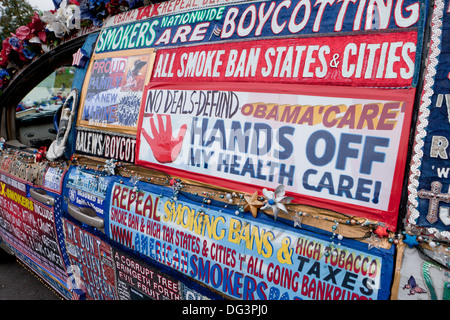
424, 112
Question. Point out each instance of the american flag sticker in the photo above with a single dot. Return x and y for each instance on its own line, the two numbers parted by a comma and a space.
80, 58
78, 294
215, 32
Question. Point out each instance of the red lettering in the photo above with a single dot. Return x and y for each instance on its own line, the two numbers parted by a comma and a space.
369, 113
389, 112
260, 111
116, 195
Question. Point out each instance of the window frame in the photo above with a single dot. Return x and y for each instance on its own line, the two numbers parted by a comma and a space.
30, 77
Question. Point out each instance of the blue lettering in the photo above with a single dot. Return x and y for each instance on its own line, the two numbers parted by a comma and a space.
285, 143
219, 127
329, 148
326, 182
362, 189
193, 263
370, 155
345, 151
264, 149
305, 179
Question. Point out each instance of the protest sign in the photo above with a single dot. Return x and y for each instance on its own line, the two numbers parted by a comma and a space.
347, 147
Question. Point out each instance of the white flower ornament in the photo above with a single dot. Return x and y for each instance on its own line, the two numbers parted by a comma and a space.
276, 200
63, 20
110, 166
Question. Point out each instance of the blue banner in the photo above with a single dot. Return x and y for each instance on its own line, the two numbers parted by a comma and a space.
263, 19
431, 199
240, 256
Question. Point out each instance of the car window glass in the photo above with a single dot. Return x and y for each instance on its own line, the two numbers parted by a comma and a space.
35, 114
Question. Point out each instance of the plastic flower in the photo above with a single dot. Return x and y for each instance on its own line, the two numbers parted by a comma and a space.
63, 20
94, 12
4, 54
36, 25
23, 33
116, 6
33, 29
4, 77
16, 55
135, 3
15, 43
37, 30
3, 60
4, 73
28, 53
276, 200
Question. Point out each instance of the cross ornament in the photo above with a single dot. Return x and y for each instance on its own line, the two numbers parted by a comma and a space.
435, 196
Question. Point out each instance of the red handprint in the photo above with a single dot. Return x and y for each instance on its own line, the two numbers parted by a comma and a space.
164, 146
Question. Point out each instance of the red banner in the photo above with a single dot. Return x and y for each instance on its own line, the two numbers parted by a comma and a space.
92, 264
29, 226
375, 60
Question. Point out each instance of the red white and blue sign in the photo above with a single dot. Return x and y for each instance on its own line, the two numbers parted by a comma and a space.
343, 149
